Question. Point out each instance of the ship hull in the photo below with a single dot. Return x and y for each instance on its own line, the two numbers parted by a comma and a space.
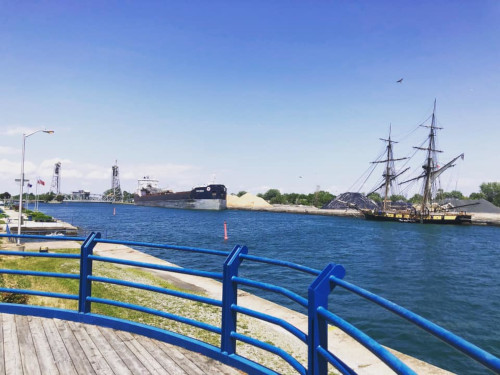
212, 197
447, 218
187, 204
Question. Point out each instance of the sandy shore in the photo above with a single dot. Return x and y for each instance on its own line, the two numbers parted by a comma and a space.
355, 355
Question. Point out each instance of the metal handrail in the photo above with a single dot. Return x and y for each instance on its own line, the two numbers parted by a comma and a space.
317, 304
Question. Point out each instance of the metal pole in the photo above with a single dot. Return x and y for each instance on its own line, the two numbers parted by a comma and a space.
36, 194
19, 218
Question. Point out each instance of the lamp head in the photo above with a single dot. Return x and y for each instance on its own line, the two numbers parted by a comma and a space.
48, 131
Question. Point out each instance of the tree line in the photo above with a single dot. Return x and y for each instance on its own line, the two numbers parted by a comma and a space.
51, 196
487, 190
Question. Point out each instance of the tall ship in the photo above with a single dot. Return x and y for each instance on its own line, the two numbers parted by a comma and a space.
426, 212
210, 197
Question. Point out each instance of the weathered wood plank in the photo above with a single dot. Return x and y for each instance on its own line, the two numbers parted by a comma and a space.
127, 356
64, 362
2, 357
179, 358
29, 358
208, 365
168, 363
32, 345
90, 349
142, 354
75, 352
112, 358
13, 364
124, 336
45, 358
195, 363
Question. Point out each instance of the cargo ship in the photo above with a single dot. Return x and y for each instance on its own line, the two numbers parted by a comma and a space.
210, 197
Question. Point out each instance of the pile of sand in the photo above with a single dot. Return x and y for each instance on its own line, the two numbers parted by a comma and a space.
248, 201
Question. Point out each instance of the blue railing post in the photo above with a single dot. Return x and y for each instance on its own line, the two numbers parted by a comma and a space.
229, 298
318, 293
86, 271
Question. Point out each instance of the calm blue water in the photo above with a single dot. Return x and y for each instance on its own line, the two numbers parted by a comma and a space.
448, 274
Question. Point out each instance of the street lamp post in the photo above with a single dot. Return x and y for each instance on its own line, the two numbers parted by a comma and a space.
19, 219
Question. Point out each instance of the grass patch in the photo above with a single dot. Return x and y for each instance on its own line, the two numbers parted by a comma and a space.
173, 305
39, 216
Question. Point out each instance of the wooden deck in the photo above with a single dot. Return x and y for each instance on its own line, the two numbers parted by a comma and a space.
32, 345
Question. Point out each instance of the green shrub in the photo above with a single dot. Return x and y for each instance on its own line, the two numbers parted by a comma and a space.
21, 299
39, 216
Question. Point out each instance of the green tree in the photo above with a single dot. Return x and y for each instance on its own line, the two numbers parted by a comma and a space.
47, 197
477, 196
273, 196
291, 198
455, 194
60, 198
375, 197
110, 193
322, 197
128, 197
416, 199
241, 193
5, 195
491, 191
396, 198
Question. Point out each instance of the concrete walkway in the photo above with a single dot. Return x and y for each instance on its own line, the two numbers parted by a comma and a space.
34, 227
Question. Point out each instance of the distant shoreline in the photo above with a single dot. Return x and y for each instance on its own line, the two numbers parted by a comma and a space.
478, 218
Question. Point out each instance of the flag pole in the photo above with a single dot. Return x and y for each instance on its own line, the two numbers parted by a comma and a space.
36, 194
28, 196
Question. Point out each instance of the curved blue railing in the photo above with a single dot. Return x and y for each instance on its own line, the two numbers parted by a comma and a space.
319, 317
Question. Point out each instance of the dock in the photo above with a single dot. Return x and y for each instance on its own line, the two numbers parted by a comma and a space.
33, 227
31, 345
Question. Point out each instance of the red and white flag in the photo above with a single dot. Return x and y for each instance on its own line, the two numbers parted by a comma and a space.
41, 182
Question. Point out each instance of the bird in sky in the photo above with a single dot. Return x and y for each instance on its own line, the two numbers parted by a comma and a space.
400, 80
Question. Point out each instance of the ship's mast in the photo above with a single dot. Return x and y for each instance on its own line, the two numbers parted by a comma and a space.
431, 169
389, 174
430, 164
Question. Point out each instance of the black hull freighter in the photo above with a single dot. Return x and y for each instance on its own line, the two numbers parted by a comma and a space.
426, 212
211, 197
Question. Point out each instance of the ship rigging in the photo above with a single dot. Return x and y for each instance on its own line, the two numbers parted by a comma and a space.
426, 212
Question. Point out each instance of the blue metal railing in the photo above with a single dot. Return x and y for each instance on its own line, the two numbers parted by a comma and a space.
319, 317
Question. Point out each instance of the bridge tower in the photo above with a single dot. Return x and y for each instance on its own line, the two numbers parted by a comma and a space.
55, 187
115, 183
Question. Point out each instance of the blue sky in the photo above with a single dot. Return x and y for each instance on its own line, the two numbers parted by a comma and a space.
252, 94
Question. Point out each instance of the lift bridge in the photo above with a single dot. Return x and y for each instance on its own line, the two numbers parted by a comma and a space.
113, 195
87, 196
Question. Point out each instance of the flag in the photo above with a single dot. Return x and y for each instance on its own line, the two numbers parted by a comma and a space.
41, 182
30, 186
